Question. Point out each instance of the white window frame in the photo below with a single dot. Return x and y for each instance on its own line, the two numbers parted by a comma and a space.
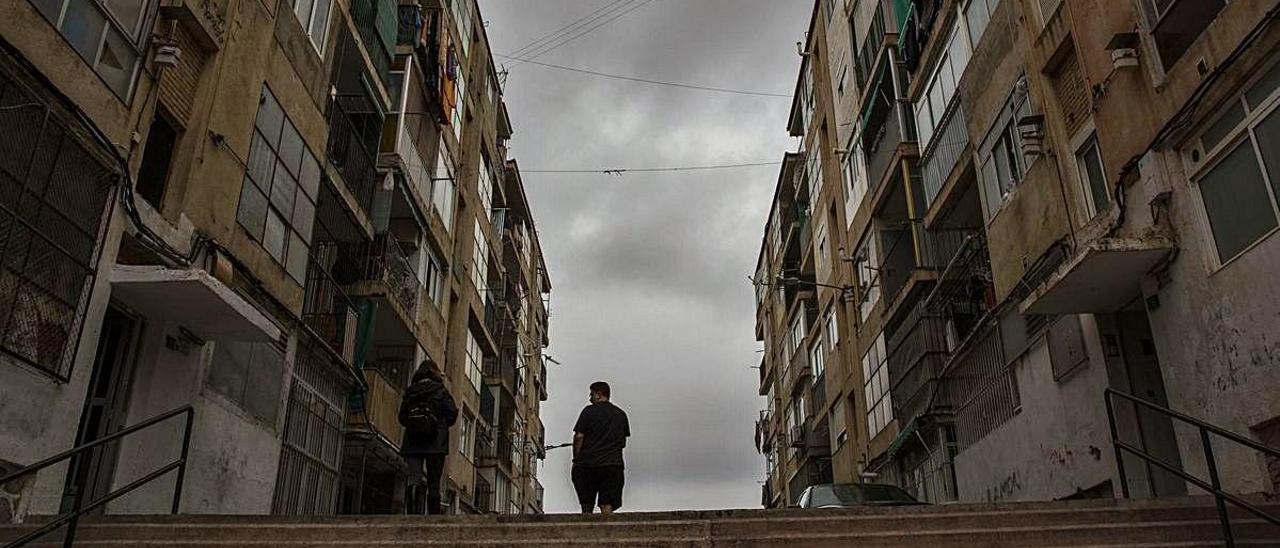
817, 360
318, 45
1087, 138
876, 392
1211, 159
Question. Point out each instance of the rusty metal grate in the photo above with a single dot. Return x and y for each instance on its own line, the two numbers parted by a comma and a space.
54, 196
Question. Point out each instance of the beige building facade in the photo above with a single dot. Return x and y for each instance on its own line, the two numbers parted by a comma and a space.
1043, 200
270, 212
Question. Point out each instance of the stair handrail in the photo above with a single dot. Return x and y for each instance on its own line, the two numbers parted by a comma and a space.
78, 507
1213, 485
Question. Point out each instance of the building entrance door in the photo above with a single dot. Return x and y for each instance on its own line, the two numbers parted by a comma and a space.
105, 407
1154, 430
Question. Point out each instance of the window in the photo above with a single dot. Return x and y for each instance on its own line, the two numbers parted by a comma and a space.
250, 375
462, 17
868, 264
806, 97
53, 200
485, 186
466, 436
314, 16
443, 187
797, 334
480, 260
1240, 188
433, 275
103, 34
839, 432
820, 253
843, 81
855, 179
976, 17
1092, 175
475, 357
798, 411
814, 175
875, 379
832, 332
1002, 163
459, 113
943, 82
1176, 24
154, 172
278, 197
817, 353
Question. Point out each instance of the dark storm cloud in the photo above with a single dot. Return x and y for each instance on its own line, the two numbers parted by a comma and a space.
649, 270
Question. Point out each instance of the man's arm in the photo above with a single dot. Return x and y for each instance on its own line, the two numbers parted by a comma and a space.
577, 443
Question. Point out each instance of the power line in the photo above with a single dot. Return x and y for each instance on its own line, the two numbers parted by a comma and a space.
621, 171
644, 80
567, 28
540, 51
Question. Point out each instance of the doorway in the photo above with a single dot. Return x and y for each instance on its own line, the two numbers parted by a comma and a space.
105, 407
1154, 431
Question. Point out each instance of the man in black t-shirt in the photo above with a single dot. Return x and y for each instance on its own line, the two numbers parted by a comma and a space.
598, 439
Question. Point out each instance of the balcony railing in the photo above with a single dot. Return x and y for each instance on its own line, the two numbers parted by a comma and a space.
918, 349
915, 248
397, 372
326, 308
871, 44
881, 130
381, 407
353, 145
814, 472
950, 140
539, 494
386, 261
980, 387
496, 451
378, 22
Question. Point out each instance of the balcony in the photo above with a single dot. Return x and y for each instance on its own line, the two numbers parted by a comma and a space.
497, 450
914, 252
799, 371
950, 142
381, 409
918, 350
482, 496
883, 133
539, 495
872, 44
386, 262
979, 386
814, 472
354, 132
399, 373
206, 19
378, 23
327, 310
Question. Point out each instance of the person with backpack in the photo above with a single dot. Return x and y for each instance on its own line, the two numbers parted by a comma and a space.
426, 412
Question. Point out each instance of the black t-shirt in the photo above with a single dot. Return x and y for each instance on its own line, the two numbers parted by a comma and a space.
605, 430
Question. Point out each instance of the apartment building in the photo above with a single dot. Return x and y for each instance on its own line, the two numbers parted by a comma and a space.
1038, 211
254, 219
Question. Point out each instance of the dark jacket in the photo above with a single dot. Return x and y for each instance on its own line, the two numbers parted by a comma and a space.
433, 394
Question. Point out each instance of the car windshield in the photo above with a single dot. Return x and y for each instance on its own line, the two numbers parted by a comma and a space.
845, 495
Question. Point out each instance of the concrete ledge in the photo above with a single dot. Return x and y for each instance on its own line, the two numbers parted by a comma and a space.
193, 299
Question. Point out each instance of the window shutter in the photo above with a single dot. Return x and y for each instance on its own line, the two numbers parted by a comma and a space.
1072, 92
178, 86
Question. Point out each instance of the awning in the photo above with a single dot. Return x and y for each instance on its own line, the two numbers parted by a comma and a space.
193, 299
1104, 277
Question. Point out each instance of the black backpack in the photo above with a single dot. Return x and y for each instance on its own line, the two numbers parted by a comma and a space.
419, 417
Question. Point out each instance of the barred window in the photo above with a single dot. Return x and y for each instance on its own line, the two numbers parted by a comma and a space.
53, 202
278, 199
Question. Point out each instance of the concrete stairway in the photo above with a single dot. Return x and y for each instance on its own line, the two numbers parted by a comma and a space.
1168, 523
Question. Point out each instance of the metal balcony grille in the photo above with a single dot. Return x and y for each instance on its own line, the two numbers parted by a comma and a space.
307, 483
54, 196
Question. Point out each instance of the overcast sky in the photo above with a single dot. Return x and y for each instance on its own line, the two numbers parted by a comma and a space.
649, 271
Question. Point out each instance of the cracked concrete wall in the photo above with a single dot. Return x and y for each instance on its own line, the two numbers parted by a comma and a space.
233, 458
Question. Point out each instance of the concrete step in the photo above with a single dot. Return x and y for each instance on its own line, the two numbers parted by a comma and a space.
1167, 522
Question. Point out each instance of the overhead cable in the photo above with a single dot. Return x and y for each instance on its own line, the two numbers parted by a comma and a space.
645, 80
548, 48
622, 171
569, 28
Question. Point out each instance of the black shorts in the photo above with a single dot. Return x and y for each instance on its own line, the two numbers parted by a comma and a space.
598, 485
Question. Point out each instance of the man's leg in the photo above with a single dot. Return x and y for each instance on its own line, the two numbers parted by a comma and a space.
583, 485
435, 469
612, 480
413, 486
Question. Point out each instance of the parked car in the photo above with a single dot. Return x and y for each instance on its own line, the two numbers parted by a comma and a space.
854, 494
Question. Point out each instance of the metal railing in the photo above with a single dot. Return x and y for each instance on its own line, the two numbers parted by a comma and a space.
385, 260
326, 308
870, 50
374, 19
353, 146
78, 506
979, 384
1213, 485
482, 498
950, 138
